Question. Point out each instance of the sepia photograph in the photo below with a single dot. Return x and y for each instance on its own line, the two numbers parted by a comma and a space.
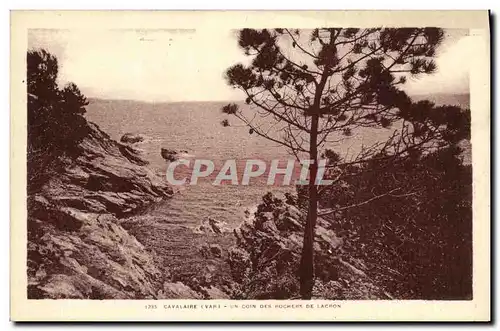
283, 163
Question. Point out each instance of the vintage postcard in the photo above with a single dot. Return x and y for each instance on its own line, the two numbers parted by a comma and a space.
250, 166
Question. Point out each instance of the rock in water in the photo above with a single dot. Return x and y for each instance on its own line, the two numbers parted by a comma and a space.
211, 225
168, 154
132, 154
131, 138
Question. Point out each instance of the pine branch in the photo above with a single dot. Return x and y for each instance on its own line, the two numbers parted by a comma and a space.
329, 212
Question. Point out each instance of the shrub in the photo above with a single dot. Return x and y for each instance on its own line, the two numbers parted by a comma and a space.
417, 241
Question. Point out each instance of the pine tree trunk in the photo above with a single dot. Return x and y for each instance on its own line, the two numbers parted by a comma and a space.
306, 271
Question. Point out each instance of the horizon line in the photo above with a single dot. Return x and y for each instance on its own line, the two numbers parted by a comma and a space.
239, 100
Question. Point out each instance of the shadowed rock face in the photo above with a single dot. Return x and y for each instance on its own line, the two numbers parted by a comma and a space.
267, 254
106, 177
76, 248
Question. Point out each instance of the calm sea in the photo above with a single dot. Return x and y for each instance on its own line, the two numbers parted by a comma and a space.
195, 127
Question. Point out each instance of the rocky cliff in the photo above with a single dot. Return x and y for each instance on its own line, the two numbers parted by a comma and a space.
76, 247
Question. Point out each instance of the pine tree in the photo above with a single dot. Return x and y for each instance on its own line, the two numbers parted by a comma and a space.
309, 89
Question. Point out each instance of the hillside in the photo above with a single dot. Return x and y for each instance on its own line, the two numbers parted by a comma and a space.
76, 248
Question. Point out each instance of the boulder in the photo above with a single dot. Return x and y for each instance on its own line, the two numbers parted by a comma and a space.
169, 155
178, 290
213, 293
215, 250
239, 260
131, 138
211, 225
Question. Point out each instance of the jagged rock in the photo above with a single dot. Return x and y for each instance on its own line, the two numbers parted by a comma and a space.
101, 257
63, 218
168, 154
267, 254
132, 154
215, 250
201, 229
211, 225
103, 179
215, 293
217, 226
131, 138
76, 248
178, 291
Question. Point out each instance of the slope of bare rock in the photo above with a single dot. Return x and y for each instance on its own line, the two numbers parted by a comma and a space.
76, 247
266, 257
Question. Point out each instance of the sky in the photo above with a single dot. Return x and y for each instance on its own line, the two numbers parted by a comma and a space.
188, 65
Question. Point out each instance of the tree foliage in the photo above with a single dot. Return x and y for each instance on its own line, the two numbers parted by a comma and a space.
350, 78
315, 89
417, 238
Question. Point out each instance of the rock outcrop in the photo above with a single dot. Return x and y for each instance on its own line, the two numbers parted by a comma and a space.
265, 259
168, 154
130, 138
76, 247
